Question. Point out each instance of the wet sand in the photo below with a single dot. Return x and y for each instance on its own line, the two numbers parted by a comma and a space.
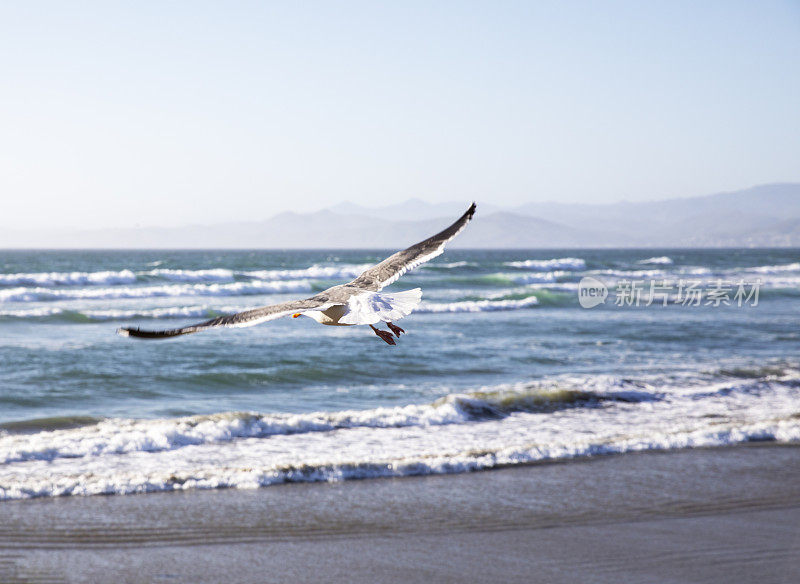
712, 515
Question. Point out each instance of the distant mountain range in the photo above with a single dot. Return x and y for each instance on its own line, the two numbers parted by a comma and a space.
762, 216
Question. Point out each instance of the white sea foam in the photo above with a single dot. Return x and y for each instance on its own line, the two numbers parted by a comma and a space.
478, 305
693, 271
255, 466
704, 277
212, 275
548, 265
451, 265
117, 436
513, 424
111, 277
313, 272
641, 273
39, 312
68, 278
36, 294
208, 311
778, 269
536, 278
660, 260
165, 312
118, 313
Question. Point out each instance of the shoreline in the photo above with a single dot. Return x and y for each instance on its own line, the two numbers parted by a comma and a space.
725, 514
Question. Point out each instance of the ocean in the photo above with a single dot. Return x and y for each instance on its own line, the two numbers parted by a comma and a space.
501, 365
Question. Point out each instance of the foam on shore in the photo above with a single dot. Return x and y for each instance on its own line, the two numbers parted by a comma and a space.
554, 419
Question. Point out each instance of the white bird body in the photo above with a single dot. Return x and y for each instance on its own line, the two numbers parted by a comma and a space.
367, 308
359, 302
329, 316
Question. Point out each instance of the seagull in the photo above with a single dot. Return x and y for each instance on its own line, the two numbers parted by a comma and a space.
359, 302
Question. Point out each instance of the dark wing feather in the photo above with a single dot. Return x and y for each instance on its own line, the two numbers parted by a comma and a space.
394, 266
246, 318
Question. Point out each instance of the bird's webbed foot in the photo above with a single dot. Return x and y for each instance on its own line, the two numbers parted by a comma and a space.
385, 335
395, 329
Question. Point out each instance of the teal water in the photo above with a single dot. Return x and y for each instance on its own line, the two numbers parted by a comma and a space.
503, 324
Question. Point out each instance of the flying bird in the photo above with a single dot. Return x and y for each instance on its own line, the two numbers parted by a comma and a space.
359, 302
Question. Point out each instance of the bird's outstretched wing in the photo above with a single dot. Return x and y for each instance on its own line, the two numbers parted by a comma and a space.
396, 265
373, 279
239, 319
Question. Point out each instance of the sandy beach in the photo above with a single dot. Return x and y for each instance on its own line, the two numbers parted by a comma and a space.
705, 515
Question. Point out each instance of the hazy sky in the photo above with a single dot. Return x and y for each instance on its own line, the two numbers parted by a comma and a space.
166, 113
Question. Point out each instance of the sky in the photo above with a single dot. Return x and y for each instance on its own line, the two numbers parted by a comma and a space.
124, 114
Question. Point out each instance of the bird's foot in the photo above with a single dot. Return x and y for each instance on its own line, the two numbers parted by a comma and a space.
395, 329
385, 335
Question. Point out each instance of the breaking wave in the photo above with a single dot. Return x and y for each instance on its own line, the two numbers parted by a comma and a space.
478, 305
212, 275
548, 265
538, 278
551, 419
661, 260
449, 266
116, 436
778, 269
68, 278
313, 272
206, 311
39, 294
118, 277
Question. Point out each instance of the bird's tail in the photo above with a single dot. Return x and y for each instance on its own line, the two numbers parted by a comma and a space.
374, 307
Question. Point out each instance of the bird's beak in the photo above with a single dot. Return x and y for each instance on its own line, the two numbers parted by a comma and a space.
295, 315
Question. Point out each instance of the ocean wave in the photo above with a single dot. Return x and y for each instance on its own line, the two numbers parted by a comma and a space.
504, 279
117, 436
639, 273
777, 269
68, 278
159, 313
132, 480
40, 294
205, 311
660, 260
112, 314
313, 272
693, 271
224, 275
212, 275
537, 278
34, 313
552, 264
705, 278
551, 419
478, 305
449, 266
544, 296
